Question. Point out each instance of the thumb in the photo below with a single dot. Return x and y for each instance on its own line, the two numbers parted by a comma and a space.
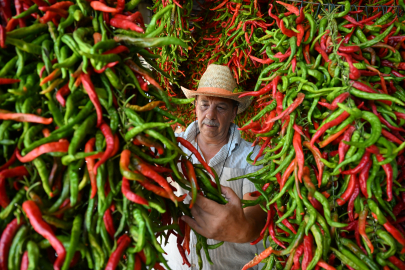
230, 195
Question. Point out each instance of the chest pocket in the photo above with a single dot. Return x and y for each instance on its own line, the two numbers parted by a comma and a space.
236, 185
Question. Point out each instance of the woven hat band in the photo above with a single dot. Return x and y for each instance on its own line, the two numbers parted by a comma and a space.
213, 90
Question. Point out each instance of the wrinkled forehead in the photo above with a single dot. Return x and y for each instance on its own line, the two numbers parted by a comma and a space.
213, 99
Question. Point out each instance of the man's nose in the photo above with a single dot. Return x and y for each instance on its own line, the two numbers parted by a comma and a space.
211, 113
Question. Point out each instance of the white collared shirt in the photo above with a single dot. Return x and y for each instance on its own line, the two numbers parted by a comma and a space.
229, 255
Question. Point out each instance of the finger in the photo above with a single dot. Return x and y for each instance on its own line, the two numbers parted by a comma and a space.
230, 195
207, 205
199, 215
192, 223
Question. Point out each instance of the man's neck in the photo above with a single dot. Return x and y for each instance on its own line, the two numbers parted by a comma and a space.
211, 146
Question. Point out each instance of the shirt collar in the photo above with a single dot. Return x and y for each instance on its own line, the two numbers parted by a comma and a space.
234, 139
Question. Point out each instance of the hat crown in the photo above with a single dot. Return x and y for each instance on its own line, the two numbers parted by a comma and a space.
218, 76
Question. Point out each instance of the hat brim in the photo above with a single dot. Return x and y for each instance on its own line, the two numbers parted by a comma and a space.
244, 102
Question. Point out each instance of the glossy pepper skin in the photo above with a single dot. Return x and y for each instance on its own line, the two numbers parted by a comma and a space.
6, 239
40, 226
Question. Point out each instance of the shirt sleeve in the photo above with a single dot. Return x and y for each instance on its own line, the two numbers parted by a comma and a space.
248, 186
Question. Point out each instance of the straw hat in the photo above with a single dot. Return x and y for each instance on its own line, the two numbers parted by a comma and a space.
217, 81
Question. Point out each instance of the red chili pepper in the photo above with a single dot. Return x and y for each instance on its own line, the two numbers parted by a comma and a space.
369, 19
299, 154
110, 142
324, 265
267, 125
89, 147
275, 17
6, 239
41, 227
290, 8
133, 197
117, 50
9, 173
24, 261
267, 223
328, 125
363, 176
262, 61
179, 241
291, 108
272, 231
352, 20
220, 5
287, 174
308, 242
127, 25
348, 192
108, 223
259, 238
322, 52
362, 229
148, 171
300, 35
2, 37
8, 81
11, 25
61, 146
349, 49
123, 243
350, 205
61, 93
251, 125
10, 162
266, 142
298, 254
391, 137
294, 64
334, 137
258, 93
364, 160
24, 117
52, 11
354, 72
289, 33
99, 6
397, 262
323, 40
339, 99
301, 17
317, 155
91, 91
306, 54
134, 17
192, 149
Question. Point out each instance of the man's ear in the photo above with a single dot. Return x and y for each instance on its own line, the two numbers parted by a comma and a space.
234, 113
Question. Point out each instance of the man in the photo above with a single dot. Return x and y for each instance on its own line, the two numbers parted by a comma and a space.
220, 143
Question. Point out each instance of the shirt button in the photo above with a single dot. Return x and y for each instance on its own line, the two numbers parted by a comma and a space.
194, 246
193, 265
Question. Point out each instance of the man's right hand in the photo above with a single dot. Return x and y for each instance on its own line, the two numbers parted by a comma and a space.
224, 222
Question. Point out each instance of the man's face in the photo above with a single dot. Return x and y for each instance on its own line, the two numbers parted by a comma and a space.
215, 116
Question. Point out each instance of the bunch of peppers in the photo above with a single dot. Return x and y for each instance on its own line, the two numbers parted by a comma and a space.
223, 32
175, 23
332, 131
87, 146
